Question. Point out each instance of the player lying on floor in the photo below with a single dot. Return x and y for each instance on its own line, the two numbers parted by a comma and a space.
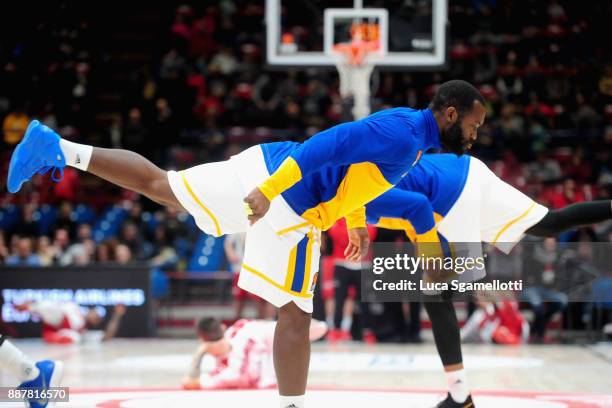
65, 323
282, 195
39, 375
242, 352
460, 199
496, 322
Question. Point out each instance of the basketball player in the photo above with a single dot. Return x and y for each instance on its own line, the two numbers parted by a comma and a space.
242, 352
496, 322
346, 276
40, 375
64, 323
462, 200
300, 188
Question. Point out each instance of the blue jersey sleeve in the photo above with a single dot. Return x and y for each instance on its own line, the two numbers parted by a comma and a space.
406, 205
386, 140
372, 140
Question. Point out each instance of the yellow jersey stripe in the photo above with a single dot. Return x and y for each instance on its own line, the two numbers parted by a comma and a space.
514, 221
271, 282
289, 229
197, 200
356, 218
351, 194
403, 225
283, 178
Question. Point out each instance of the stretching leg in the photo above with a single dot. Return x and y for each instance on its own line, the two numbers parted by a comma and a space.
446, 333
133, 172
447, 337
572, 216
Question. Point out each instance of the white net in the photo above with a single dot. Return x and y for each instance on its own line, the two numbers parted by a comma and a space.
355, 83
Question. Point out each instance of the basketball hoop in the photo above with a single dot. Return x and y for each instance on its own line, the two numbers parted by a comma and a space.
355, 61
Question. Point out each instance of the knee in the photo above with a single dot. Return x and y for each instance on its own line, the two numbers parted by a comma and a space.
294, 320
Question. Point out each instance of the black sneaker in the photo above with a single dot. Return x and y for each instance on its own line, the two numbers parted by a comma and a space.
449, 402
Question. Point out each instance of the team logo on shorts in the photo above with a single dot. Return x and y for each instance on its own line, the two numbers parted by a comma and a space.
314, 281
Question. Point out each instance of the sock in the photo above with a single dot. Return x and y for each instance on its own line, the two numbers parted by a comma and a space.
16, 362
457, 385
347, 322
77, 155
330, 322
292, 402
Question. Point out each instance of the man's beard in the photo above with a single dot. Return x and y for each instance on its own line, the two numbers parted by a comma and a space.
452, 139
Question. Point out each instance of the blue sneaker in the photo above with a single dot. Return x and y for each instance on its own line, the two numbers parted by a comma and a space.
51, 373
38, 152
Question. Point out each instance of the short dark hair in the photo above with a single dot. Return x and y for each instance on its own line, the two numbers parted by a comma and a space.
457, 93
210, 328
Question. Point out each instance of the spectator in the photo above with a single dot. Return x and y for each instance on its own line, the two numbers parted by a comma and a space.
24, 256
123, 255
131, 237
566, 194
45, 251
585, 117
27, 226
105, 252
84, 233
61, 241
545, 169
4, 251
541, 289
164, 254
172, 225
135, 135
135, 217
14, 126
67, 189
82, 251
65, 220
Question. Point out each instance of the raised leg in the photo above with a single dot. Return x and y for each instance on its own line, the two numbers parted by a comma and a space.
134, 172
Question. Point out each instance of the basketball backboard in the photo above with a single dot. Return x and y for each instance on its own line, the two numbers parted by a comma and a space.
302, 32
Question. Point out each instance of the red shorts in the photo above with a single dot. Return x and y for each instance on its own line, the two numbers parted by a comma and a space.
327, 281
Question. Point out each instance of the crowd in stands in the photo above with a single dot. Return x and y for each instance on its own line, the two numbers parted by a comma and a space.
46, 237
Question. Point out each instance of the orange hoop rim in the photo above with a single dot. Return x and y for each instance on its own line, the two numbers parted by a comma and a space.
356, 51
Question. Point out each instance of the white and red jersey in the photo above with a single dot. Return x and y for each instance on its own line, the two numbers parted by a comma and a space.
62, 322
249, 363
500, 322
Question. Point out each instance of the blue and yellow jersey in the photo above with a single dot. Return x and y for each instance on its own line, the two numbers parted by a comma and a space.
336, 172
423, 197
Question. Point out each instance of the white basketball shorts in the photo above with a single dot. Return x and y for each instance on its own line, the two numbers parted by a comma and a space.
282, 250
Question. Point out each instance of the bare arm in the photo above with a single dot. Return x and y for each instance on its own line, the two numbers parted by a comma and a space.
192, 380
113, 324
